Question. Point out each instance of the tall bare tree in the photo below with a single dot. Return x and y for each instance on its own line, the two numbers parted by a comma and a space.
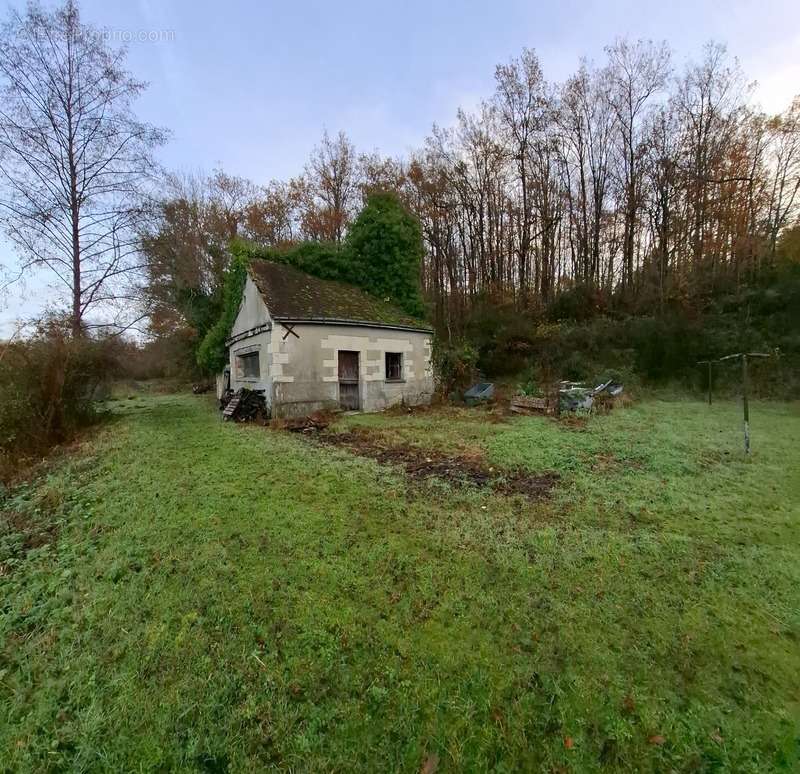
74, 160
784, 187
523, 109
636, 72
331, 187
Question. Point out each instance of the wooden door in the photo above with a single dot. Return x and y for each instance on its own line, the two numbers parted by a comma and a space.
348, 381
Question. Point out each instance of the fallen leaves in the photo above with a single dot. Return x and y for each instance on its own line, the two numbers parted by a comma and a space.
430, 764
629, 704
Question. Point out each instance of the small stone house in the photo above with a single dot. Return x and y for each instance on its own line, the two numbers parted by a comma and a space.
314, 344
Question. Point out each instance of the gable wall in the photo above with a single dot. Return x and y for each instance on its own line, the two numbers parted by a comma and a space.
252, 313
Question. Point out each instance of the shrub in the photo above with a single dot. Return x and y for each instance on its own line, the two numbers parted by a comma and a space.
580, 302
501, 334
453, 363
48, 383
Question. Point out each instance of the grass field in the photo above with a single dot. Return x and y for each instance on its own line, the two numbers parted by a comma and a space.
186, 594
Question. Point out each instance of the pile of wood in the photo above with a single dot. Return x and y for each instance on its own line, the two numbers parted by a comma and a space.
246, 406
524, 404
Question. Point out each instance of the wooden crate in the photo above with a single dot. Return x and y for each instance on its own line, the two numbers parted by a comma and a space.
523, 404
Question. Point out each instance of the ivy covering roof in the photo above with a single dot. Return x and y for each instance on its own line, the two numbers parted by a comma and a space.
291, 294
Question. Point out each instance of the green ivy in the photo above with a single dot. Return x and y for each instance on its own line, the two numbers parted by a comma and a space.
211, 354
384, 252
381, 256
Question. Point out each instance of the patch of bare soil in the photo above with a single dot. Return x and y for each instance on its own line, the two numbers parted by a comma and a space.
458, 470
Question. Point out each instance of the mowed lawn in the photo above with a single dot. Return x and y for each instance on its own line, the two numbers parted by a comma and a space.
183, 594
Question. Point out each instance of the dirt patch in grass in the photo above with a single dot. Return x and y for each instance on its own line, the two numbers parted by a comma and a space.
459, 470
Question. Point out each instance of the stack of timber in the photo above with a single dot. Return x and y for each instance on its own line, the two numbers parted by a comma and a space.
246, 406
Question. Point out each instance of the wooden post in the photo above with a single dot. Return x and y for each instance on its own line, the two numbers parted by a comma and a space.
745, 406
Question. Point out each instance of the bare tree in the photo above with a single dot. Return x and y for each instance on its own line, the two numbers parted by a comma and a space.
636, 72
332, 187
785, 184
709, 99
73, 157
585, 120
523, 109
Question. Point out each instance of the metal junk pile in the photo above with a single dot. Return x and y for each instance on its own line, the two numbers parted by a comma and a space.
568, 397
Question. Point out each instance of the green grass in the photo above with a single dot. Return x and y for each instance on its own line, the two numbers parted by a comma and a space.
186, 594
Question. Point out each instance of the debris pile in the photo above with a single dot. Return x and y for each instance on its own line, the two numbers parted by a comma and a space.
574, 397
527, 404
246, 406
610, 388
307, 425
568, 397
479, 393
457, 470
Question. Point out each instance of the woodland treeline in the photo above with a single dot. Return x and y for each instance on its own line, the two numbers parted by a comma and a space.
635, 184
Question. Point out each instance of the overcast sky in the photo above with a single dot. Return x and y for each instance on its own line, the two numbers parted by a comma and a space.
251, 85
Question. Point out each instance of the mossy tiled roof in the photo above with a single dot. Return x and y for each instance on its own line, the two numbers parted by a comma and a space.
291, 294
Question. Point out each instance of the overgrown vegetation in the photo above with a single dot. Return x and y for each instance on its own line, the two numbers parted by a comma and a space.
324, 613
48, 385
381, 254
384, 252
656, 349
454, 364
211, 354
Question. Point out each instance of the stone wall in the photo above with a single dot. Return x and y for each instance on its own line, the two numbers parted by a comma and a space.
305, 371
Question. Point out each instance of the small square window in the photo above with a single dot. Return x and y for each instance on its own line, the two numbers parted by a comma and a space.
249, 365
394, 366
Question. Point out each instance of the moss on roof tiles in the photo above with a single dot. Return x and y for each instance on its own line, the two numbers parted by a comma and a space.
291, 294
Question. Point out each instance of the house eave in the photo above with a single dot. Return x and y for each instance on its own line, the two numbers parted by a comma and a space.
352, 323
